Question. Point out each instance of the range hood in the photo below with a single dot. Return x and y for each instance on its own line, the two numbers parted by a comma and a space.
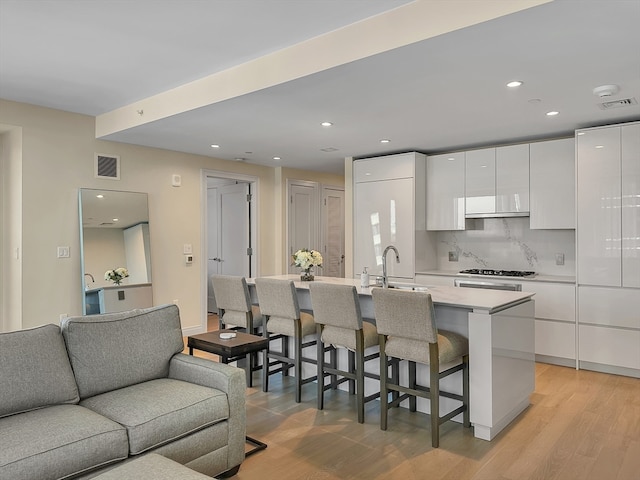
497, 215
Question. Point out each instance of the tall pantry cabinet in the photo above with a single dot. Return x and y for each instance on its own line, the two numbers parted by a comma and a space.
608, 247
389, 209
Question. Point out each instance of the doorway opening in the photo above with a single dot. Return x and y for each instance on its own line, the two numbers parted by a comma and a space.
229, 230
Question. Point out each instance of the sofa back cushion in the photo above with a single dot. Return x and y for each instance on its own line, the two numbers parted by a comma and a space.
34, 370
114, 351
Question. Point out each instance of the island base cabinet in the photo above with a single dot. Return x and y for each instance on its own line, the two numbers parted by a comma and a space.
501, 367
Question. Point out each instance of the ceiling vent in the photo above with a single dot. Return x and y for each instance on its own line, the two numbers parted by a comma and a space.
625, 102
107, 166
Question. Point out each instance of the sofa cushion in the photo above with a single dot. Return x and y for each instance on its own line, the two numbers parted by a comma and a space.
113, 351
57, 442
34, 370
159, 411
151, 467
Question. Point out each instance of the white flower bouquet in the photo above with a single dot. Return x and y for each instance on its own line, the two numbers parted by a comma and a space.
116, 275
307, 259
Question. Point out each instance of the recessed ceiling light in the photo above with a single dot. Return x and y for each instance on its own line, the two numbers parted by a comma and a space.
534, 100
100, 196
326, 124
239, 159
580, 133
115, 219
599, 146
514, 84
276, 158
213, 145
552, 114
384, 140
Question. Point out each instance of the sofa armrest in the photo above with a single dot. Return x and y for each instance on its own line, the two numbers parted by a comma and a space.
208, 373
229, 379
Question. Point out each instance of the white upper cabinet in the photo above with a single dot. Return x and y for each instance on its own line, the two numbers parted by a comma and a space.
599, 226
552, 184
630, 136
512, 179
445, 192
497, 181
480, 181
388, 209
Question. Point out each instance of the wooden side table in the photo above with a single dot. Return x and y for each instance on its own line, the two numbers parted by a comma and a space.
239, 347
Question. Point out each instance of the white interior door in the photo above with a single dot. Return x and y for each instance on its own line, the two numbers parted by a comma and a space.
228, 239
333, 232
233, 231
303, 220
212, 245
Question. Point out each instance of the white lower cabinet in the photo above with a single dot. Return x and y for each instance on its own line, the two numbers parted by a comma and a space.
609, 329
555, 306
555, 313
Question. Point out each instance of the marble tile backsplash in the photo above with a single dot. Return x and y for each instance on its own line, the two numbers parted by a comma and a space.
508, 244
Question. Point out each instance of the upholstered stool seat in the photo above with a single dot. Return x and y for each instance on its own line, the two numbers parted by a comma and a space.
406, 323
236, 311
284, 320
336, 310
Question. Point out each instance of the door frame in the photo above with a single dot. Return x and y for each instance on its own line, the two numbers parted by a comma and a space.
254, 183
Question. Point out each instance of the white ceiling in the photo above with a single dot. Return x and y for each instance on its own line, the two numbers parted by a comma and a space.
440, 94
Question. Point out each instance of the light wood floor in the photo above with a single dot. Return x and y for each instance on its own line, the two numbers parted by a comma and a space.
580, 425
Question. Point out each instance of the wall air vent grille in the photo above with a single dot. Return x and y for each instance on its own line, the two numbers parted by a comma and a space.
625, 102
107, 166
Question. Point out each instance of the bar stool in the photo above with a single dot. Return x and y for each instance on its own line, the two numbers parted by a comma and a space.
336, 311
235, 311
282, 317
407, 327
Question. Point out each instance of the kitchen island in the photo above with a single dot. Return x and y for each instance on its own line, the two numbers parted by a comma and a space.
501, 332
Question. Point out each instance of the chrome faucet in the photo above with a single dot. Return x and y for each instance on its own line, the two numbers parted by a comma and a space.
86, 285
385, 281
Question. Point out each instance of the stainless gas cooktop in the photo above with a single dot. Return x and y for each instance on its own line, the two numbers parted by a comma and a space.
498, 273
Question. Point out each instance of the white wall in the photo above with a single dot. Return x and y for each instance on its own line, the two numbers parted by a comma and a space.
57, 155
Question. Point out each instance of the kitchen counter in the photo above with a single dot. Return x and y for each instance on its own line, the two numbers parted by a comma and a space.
501, 331
537, 278
489, 301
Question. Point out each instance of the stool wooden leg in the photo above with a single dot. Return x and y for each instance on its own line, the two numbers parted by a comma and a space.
412, 385
320, 362
434, 385
359, 371
384, 399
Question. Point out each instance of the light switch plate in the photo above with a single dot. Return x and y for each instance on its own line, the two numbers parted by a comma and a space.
559, 258
453, 256
187, 249
63, 252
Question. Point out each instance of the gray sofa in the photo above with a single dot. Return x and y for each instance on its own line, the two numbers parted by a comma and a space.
78, 399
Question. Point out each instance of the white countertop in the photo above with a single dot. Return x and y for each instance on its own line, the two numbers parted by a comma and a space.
537, 278
468, 298
118, 287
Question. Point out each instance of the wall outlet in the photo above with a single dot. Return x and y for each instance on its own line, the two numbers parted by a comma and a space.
453, 256
559, 258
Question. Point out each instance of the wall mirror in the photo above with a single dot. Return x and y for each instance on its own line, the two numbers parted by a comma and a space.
114, 234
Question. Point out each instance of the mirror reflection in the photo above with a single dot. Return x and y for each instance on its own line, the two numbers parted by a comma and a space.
115, 251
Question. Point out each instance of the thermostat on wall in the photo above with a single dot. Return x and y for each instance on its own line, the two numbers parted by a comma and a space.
188, 259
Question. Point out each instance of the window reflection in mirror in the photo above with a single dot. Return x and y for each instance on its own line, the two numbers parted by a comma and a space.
114, 233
